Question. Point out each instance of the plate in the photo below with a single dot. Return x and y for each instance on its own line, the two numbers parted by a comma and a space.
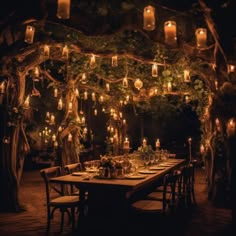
157, 168
91, 170
147, 172
79, 173
135, 176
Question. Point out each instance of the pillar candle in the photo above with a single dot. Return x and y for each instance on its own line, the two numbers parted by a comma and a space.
126, 144
158, 144
170, 33
201, 37
144, 142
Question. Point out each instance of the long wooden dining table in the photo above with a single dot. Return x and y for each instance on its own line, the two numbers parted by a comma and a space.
109, 199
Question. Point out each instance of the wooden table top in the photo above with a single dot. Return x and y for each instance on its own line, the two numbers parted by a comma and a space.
128, 183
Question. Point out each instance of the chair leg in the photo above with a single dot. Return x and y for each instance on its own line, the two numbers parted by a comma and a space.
48, 221
62, 220
73, 218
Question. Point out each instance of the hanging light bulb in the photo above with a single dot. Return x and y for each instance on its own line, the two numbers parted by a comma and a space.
125, 82
84, 78
63, 9
55, 93
149, 18
69, 137
93, 95
231, 68
107, 87
138, 84
95, 112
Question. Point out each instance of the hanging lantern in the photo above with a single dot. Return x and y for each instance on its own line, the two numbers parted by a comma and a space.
125, 82
149, 18
93, 95
92, 61
52, 119
138, 84
55, 93
170, 33
46, 51
230, 68
186, 76
230, 127
95, 112
83, 79
54, 137
169, 86
29, 34
201, 37
2, 87
65, 52
107, 87
60, 104
101, 99
114, 61
154, 70
63, 9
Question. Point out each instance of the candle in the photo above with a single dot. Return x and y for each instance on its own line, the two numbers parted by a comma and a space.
149, 18
231, 68
186, 76
114, 61
124, 121
65, 52
52, 119
154, 70
46, 51
53, 137
27, 101
101, 98
231, 127
144, 142
108, 87
92, 61
170, 32
36, 71
59, 129
126, 144
95, 112
85, 130
29, 34
125, 82
93, 96
169, 86
2, 87
55, 92
83, 120
60, 104
63, 9
201, 37
202, 149
158, 144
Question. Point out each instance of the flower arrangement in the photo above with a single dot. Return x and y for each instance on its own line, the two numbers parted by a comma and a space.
146, 150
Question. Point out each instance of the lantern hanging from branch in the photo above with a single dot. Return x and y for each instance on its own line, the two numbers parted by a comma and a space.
149, 18
201, 37
63, 9
138, 84
170, 33
125, 82
46, 51
154, 70
29, 34
114, 61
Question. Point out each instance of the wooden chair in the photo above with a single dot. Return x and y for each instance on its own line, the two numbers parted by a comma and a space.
158, 205
188, 179
55, 198
172, 188
69, 169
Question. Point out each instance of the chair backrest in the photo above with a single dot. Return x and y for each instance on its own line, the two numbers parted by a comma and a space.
188, 176
169, 182
52, 190
70, 168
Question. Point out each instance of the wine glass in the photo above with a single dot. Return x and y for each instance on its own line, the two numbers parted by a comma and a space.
146, 161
